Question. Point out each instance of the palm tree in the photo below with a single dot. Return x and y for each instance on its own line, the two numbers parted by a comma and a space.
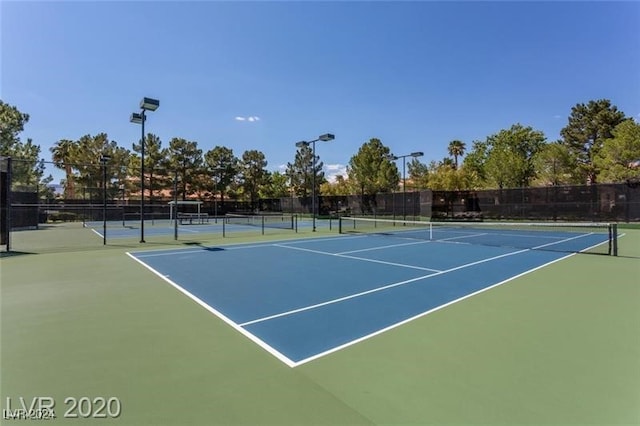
64, 153
456, 149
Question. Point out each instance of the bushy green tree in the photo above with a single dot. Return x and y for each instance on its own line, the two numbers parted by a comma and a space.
555, 165
223, 168
253, 174
371, 170
185, 158
302, 170
510, 156
618, 157
588, 127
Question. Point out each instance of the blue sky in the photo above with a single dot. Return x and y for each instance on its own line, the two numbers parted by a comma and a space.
414, 74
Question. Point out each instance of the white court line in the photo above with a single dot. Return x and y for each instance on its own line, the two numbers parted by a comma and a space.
462, 236
219, 314
364, 259
568, 239
437, 308
383, 247
329, 302
191, 230
236, 246
99, 234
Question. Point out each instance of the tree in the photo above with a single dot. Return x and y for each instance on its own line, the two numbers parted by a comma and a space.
155, 163
277, 186
28, 169
371, 170
418, 173
588, 127
64, 153
118, 170
509, 161
618, 155
443, 176
456, 149
12, 123
185, 159
302, 171
341, 186
474, 162
253, 174
554, 165
88, 165
223, 167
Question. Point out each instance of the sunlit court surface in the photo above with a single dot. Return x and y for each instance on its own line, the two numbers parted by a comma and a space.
303, 299
366, 321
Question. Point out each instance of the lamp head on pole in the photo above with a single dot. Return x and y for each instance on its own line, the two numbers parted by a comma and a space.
391, 157
302, 143
417, 154
137, 118
149, 104
326, 137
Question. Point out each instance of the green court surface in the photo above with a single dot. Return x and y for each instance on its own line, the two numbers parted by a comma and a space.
559, 345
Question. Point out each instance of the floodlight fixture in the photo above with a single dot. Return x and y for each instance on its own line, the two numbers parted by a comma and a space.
136, 118
149, 104
326, 137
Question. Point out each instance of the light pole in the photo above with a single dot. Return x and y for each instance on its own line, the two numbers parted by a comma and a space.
324, 138
404, 179
103, 160
146, 104
217, 181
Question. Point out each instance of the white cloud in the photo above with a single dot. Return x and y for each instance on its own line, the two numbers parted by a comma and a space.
333, 170
251, 118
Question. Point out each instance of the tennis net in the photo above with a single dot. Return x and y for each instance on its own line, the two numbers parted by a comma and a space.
597, 238
263, 221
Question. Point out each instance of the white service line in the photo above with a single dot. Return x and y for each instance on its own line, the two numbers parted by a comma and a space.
329, 302
364, 259
374, 290
437, 308
383, 247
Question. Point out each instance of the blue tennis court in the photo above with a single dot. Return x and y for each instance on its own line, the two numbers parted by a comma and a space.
303, 299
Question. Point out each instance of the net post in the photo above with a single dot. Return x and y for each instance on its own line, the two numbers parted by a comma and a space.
430, 231
8, 201
614, 236
224, 221
262, 217
339, 224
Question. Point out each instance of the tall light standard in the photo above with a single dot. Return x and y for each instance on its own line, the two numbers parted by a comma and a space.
324, 138
218, 174
103, 161
404, 179
146, 104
